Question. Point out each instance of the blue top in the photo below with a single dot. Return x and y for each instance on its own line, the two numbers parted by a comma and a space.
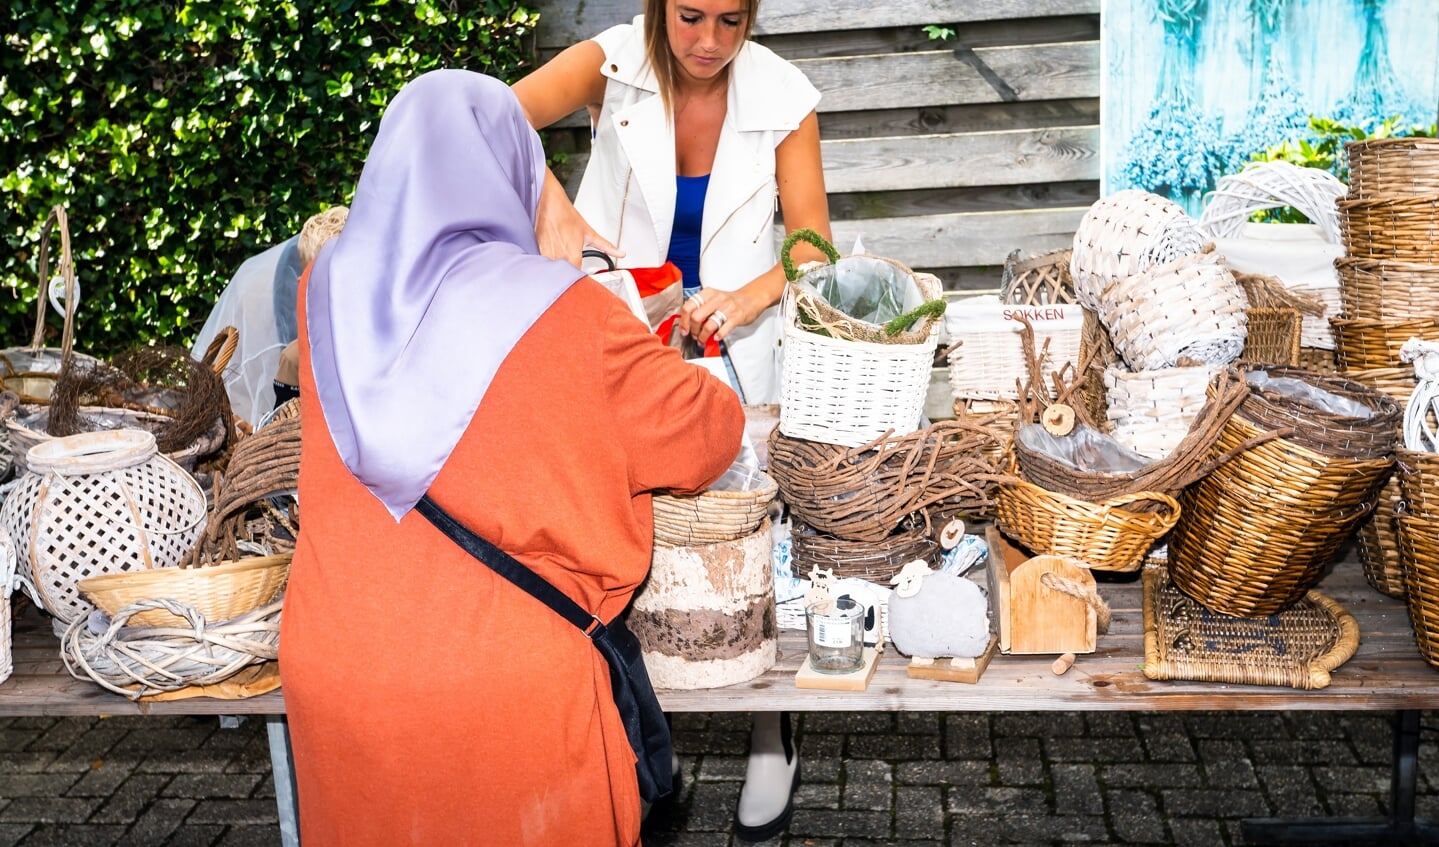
685, 238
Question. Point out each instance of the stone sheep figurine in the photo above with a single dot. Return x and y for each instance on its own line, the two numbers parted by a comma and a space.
935, 615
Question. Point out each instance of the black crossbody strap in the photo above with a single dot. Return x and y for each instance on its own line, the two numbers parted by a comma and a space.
508, 567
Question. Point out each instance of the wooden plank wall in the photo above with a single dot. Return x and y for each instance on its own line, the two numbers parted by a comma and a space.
944, 155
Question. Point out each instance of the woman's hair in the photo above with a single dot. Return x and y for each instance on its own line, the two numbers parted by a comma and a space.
657, 45
319, 229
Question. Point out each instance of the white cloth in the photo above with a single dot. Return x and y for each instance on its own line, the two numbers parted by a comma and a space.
248, 304
628, 190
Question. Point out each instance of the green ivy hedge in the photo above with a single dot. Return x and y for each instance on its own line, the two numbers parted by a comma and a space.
184, 137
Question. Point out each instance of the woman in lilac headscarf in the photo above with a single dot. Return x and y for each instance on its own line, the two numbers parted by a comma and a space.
430, 701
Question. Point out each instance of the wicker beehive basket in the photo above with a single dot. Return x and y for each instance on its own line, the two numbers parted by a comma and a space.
99, 503
218, 592
715, 515
1109, 535
1257, 532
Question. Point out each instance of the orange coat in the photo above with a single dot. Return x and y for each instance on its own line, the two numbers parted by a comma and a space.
430, 701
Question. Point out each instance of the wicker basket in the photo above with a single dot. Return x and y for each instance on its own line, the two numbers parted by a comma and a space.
851, 392
1382, 168
1418, 531
986, 361
1378, 541
9, 566
1258, 531
136, 661
1150, 412
1272, 185
99, 503
1107, 536
1124, 234
875, 561
998, 417
1373, 289
26, 428
1341, 436
1367, 344
1320, 360
218, 592
1188, 308
1038, 281
1399, 229
865, 493
732, 508
1272, 336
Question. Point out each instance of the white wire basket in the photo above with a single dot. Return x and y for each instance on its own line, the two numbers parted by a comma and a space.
850, 393
1191, 308
1271, 185
1152, 411
1126, 233
986, 359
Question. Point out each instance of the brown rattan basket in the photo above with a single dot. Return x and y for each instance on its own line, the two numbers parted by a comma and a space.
1037, 281
1366, 344
1418, 530
864, 493
713, 516
1327, 433
1399, 229
1273, 336
1393, 167
1318, 359
219, 592
1257, 532
1373, 289
875, 561
1378, 541
1108, 536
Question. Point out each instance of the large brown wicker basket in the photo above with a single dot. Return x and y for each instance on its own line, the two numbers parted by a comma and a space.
1363, 344
1400, 229
1418, 530
1380, 290
1358, 437
1393, 167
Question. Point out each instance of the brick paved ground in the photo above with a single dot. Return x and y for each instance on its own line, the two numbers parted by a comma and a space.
946, 780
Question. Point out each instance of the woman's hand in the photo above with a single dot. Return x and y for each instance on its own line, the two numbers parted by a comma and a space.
711, 312
560, 229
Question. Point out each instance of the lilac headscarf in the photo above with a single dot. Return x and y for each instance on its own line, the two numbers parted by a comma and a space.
434, 279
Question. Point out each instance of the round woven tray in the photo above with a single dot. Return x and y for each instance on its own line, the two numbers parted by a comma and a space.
1393, 167
1107, 536
136, 661
875, 561
1258, 531
713, 516
864, 493
218, 592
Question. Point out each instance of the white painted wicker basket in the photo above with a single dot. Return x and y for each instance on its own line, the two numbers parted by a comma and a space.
1190, 308
98, 503
8, 564
1271, 185
851, 392
1151, 411
1126, 233
986, 359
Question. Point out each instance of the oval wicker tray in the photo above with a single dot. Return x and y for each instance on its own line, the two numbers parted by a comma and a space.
219, 592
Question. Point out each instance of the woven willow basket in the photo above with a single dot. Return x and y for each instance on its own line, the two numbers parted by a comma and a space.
1189, 308
1399, 229
986, 360
1038, 281
1124, 234
1382, 168
1418, 529
1398, 291
1107, 536
875, 561
1367, 344
1341, 436
218, 592
1378, 537
1272, 336
715, 515
8, 567
851, 392
135, 661
1258, 531
99, 503
1321, 360
26, 428
1272, 185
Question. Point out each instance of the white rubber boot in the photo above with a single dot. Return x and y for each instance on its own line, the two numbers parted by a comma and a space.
766, 802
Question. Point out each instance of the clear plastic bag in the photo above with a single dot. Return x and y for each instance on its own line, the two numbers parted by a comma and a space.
1310, 395
1084, 448
866, 288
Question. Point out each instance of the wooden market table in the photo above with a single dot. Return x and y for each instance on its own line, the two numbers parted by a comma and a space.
1386, 673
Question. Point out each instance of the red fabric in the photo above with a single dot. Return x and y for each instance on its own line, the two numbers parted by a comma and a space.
430, 701
653, 281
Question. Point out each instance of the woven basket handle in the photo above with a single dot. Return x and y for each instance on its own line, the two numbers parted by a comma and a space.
56, 219
1160, 497
806, 235
221, 350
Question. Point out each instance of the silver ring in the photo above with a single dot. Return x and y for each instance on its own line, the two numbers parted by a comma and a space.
697, 298
720, 318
